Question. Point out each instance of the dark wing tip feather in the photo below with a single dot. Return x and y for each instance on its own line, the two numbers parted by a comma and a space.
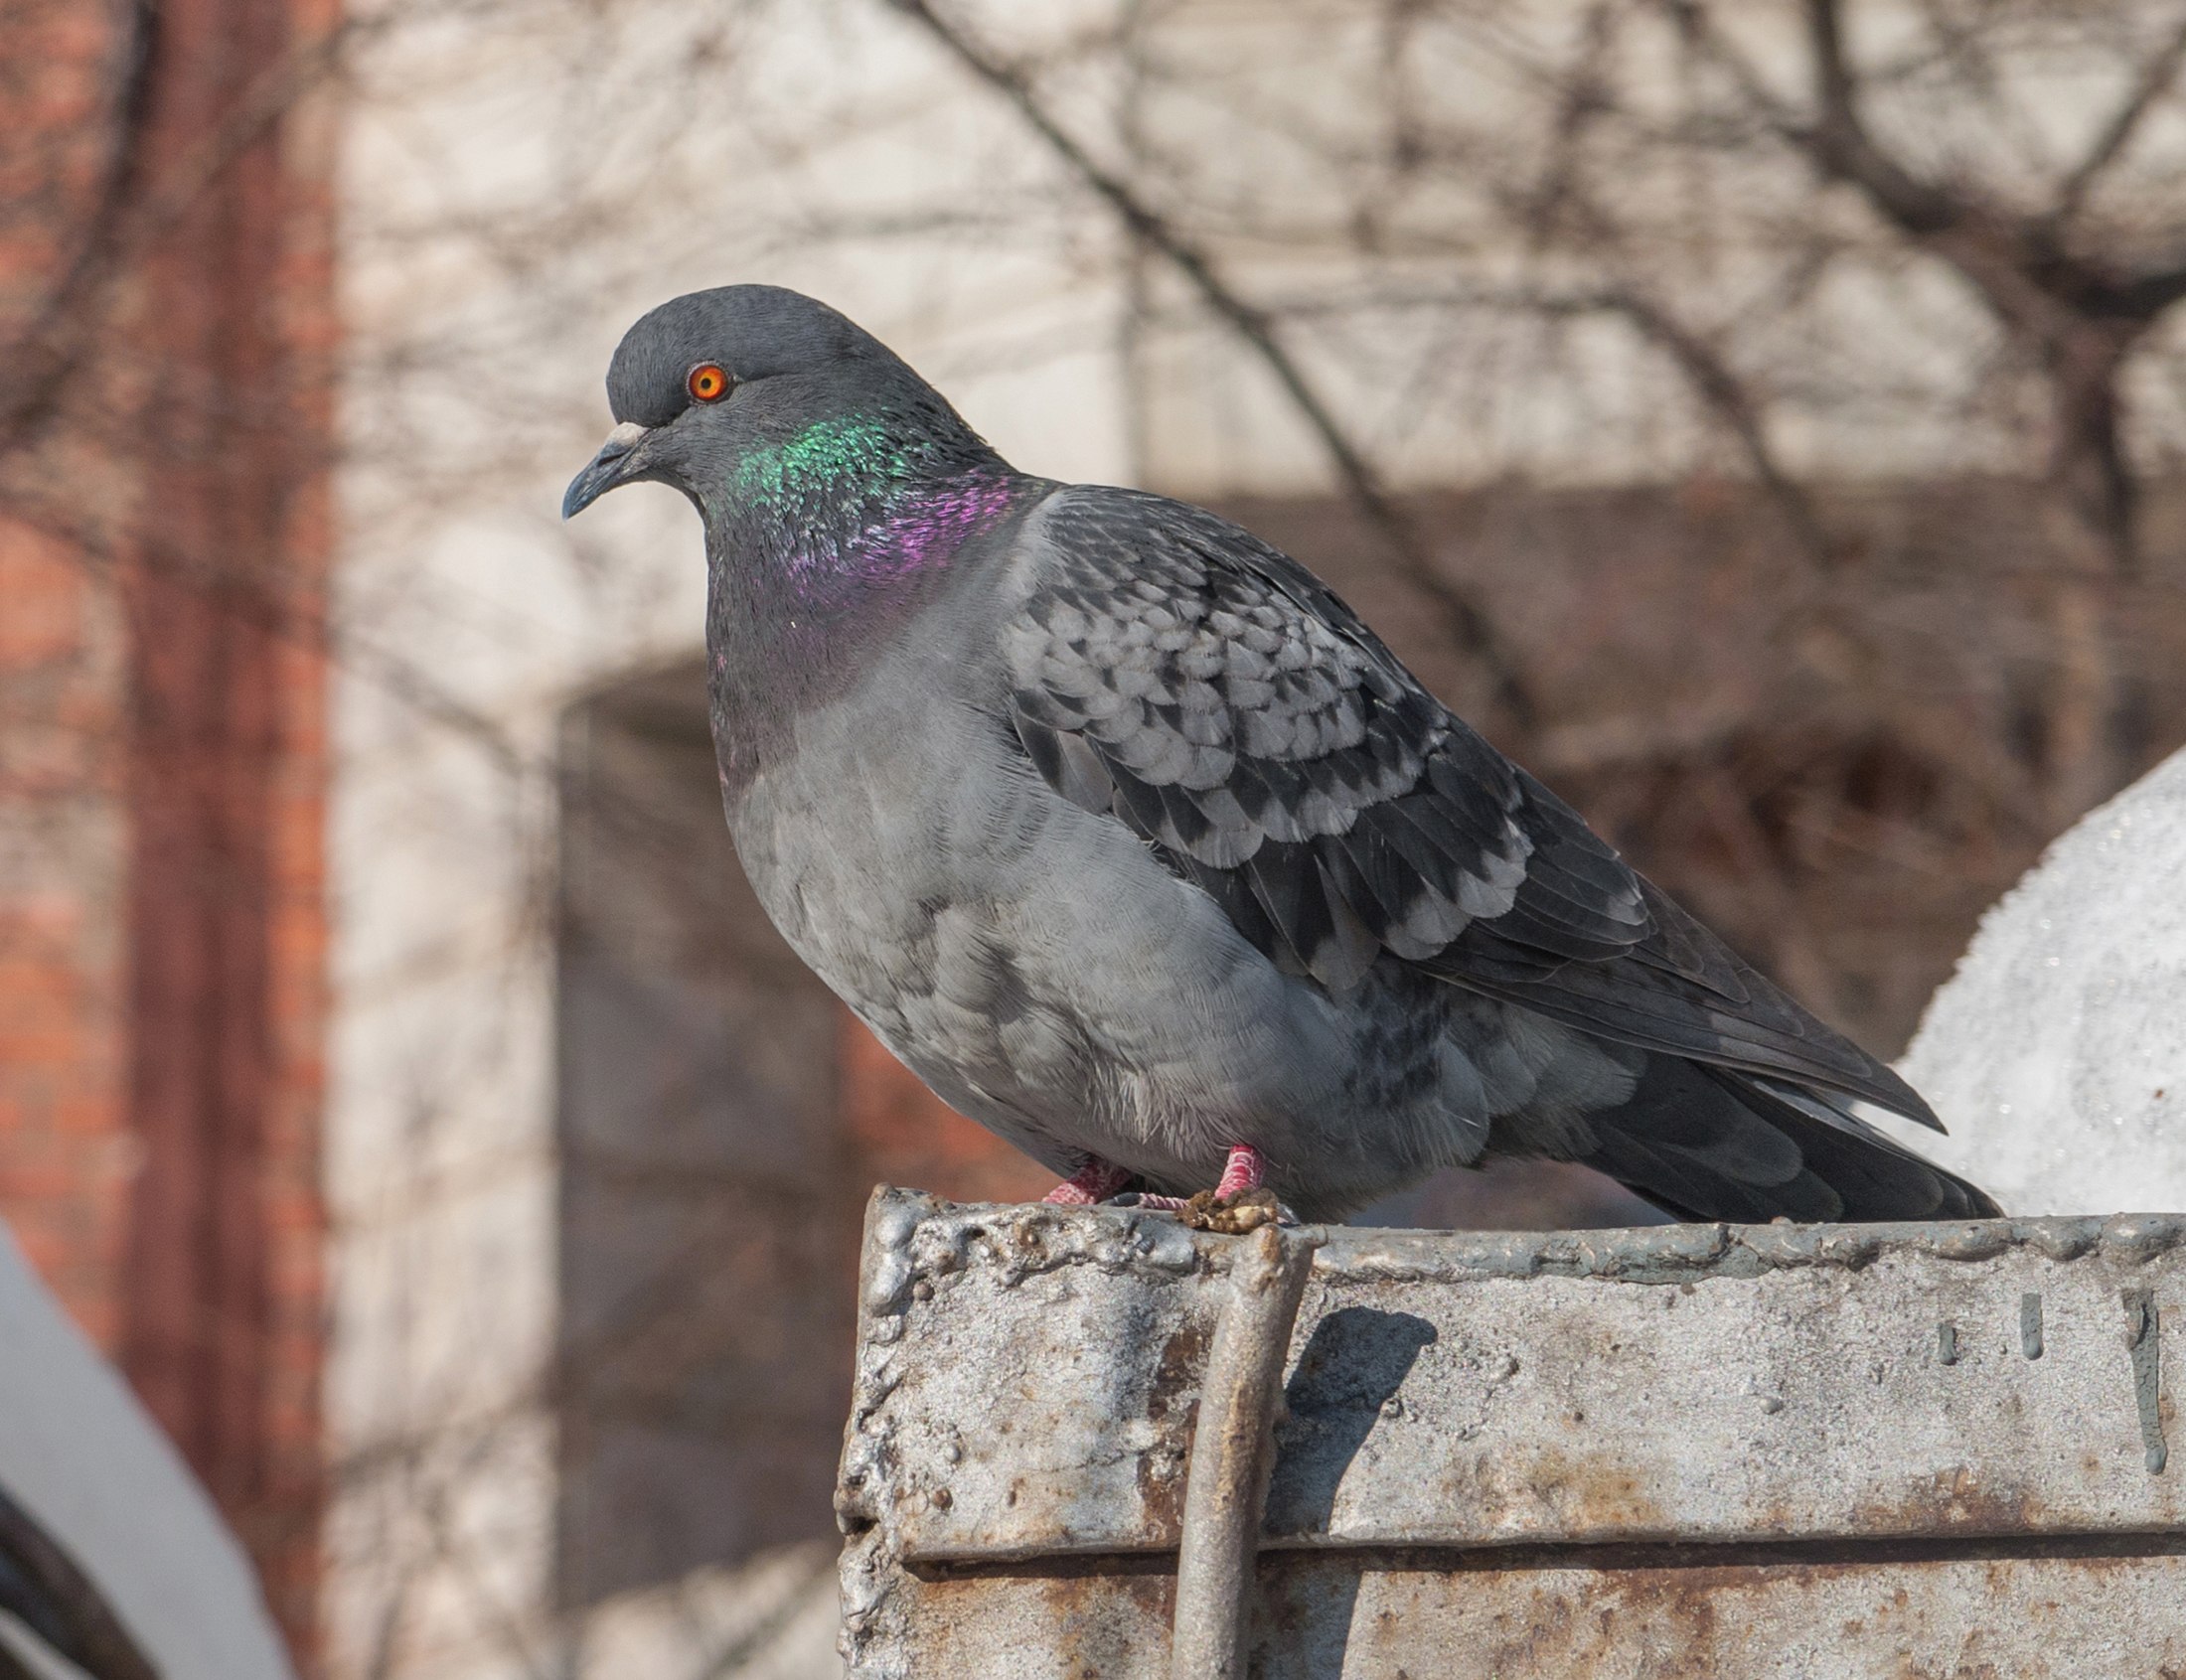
1707, 1144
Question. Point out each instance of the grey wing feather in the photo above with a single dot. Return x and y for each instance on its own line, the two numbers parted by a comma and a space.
1208, 690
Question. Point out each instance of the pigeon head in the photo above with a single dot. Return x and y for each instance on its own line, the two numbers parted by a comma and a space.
745, 395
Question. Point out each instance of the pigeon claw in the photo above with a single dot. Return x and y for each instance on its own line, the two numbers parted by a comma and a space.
1232, 1215
1242, 1202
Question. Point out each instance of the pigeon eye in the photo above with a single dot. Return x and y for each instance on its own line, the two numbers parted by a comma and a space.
708, 383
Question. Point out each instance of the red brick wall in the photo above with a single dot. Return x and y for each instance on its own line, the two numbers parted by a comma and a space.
222, 1303
66, 1150
162, 745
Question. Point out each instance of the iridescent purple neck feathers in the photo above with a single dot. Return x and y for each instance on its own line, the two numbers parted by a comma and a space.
821, 550
905, 532
846, 505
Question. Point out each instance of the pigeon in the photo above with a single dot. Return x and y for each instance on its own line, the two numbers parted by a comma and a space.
1133, 841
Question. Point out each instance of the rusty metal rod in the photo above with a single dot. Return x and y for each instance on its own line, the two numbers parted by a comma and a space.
1232, 1454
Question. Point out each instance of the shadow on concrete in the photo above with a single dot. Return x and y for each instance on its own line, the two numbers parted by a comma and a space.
1353, 1367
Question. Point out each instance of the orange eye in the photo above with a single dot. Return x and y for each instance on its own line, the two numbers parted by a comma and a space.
708, 383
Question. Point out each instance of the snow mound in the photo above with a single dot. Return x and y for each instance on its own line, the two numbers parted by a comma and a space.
2057, 1052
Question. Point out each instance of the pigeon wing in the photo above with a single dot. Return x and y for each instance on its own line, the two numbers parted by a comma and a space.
1208, 691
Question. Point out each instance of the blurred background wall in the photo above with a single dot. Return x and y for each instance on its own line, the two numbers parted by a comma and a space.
1763, 418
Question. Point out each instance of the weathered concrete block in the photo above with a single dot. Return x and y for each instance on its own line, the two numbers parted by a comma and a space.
1692, 1449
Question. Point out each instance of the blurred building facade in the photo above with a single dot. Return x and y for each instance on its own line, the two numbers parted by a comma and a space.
162, 896
399, 1078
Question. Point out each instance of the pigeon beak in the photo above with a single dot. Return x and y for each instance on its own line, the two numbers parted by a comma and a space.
614, 465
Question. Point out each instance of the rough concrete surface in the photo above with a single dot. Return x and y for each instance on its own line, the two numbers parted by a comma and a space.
2057, 1054
1814, 1451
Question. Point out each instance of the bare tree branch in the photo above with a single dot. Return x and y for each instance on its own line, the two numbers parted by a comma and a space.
2148, 294
2078, 317
2016, 262
44, 353
1728, 397
2153, 82
138, 211
1706, 370
301, 619
1468, 621
1966, 45
746, 1648
1836, 137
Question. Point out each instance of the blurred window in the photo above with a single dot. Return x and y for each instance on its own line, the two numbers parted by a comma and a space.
707, 1244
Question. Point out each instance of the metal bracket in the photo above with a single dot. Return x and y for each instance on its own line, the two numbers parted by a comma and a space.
1233, 1454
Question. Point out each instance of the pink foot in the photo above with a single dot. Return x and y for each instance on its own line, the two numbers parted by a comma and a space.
1245, 1171
1094, 1182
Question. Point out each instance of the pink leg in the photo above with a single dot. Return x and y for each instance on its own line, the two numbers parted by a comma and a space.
1245, 1171
1094, 1182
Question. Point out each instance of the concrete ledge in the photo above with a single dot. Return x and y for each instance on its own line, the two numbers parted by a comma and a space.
1558, 1419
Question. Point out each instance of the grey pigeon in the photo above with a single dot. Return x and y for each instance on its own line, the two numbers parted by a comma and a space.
1140, 849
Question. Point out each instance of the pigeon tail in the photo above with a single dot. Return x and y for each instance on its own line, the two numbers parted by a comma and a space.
1707, 1144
